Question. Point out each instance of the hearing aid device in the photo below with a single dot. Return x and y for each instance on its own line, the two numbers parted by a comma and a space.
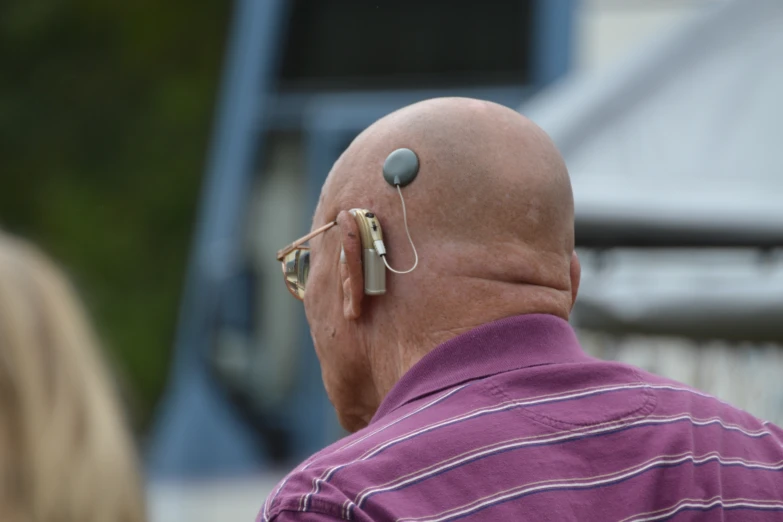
399, 169
372, 251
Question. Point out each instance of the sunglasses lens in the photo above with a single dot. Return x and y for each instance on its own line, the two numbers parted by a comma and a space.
296, 267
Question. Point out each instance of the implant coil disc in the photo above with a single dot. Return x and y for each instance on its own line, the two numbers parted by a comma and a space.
401, 167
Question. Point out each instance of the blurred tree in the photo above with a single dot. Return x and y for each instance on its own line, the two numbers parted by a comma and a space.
105, 110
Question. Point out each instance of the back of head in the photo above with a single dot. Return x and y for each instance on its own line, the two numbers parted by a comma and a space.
491, 213
492, 202
65, 453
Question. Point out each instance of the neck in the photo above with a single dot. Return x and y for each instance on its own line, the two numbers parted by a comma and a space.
432, 318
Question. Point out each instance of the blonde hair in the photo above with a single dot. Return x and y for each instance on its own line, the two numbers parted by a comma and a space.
65, 452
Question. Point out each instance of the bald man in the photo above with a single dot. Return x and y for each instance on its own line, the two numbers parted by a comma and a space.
465, 387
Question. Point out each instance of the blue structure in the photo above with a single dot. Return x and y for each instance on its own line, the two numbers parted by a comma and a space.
200, 431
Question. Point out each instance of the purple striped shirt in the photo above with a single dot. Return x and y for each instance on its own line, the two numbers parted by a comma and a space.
513, 421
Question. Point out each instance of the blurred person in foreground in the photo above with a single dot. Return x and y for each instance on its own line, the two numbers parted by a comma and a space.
465, 385
65, 452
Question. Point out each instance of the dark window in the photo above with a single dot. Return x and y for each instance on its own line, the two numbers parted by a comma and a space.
388, 44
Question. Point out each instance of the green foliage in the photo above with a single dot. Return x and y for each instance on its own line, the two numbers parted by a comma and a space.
105, 110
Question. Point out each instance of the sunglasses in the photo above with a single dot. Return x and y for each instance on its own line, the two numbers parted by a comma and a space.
295, 259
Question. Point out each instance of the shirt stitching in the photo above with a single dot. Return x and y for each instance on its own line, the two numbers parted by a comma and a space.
647, 405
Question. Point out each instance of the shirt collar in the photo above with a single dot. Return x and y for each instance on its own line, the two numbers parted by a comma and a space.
508, 344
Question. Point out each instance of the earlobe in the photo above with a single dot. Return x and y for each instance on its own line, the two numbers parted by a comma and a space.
351, 275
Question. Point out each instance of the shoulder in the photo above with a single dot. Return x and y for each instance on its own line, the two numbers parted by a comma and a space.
298, 516
322, 486
706, 408
328, 483
305, 495
326, 486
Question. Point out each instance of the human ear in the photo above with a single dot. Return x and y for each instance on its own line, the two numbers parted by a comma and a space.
576, 277
351, 274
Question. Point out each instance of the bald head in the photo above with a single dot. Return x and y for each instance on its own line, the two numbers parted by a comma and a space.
489, 179
490, 212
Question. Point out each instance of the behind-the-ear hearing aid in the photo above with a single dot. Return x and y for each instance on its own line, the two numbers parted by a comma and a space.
399, 169
372, 250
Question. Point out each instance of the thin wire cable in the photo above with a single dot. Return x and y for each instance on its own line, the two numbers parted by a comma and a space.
407, 231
